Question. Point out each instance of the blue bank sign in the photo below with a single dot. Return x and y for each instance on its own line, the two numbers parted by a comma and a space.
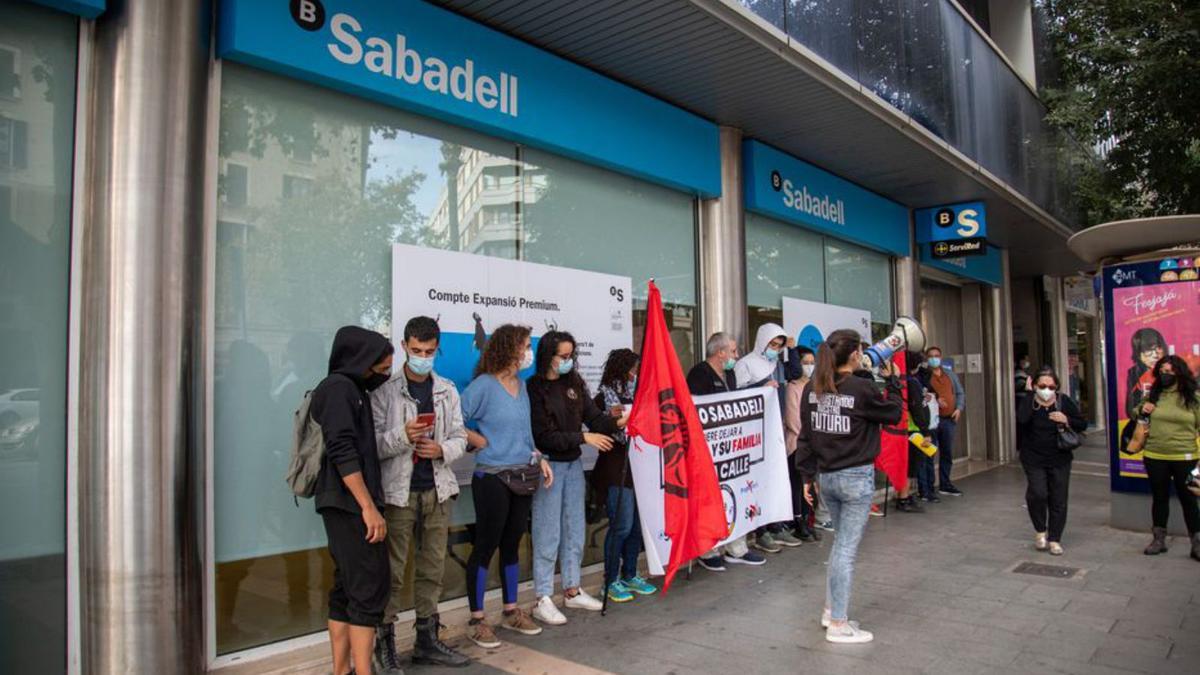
986, 267
954, 222
88, 9
433, 62
781, 186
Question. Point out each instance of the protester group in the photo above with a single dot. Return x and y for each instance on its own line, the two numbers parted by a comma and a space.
382, 477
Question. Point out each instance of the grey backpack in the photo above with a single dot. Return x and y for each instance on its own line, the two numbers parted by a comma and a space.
308, 449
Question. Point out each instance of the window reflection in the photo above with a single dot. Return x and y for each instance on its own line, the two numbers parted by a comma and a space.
314, 189
37, 109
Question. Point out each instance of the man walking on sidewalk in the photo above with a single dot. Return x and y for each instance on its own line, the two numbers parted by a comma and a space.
952, 402
421, 433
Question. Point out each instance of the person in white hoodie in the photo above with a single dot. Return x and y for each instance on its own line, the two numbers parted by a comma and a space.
767, 365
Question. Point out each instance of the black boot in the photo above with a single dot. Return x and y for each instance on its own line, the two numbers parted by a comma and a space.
1159, 544
429, 650
386, 660
1196, 546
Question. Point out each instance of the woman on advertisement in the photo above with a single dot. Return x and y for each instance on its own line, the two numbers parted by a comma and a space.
1169, 454
842, 415
1047, 468
560, 407
1148, 347
507, 471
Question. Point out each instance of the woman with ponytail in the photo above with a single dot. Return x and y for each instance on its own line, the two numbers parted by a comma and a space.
842, 414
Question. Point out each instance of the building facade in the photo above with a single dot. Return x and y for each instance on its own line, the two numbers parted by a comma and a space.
194, 196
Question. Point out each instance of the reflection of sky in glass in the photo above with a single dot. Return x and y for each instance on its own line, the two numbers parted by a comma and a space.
405, 152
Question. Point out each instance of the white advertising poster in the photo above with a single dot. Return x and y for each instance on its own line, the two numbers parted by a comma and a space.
745, 436
470, 295
811, 322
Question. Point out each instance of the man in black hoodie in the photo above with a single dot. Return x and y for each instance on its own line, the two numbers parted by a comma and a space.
349, 494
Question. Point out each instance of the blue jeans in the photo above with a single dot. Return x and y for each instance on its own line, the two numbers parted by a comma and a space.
925, 474
558, 528
848, 497
623, 543
945, 442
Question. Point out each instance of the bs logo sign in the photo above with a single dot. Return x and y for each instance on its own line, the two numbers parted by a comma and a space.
308, 14
967, 221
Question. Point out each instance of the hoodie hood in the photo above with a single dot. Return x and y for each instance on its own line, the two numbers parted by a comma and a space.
754, 367
355, 350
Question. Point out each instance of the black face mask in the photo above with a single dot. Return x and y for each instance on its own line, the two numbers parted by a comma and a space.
375, 381
1166, 380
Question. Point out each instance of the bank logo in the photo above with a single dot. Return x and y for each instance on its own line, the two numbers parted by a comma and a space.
1121, 276
816, 205
308, 14
941, 249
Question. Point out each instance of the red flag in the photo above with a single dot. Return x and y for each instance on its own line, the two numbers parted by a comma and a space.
663, 415
893, 438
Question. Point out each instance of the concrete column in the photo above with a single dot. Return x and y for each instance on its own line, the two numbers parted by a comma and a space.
141, 470
908, 287
722, 246
999, 366
1057, 323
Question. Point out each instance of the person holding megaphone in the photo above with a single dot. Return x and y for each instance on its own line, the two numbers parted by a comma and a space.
842, 414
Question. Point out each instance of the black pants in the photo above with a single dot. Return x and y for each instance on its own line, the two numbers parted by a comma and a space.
1046, 497
501, 518
361, 576
1162, 474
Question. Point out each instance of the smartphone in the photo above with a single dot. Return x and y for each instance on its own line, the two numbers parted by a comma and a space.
427, 420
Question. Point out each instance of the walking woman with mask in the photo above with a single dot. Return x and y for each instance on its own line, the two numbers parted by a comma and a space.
1170, 453
561, 407
1047, 468
842, 414
496, 413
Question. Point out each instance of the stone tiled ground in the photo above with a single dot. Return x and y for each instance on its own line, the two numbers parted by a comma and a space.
936, 588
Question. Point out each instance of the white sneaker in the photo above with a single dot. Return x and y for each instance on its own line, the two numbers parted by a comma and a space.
547, 613
582, 600
826, 618
848, 633
1039, 541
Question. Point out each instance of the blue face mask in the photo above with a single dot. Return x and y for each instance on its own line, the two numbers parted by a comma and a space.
730, 363
419, 365
935, 362
565, 366
632, 386
771, 354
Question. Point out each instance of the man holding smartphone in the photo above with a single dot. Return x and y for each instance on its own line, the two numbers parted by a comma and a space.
420, 433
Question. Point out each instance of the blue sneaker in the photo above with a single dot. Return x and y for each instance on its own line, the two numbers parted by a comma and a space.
619, 592
640, 586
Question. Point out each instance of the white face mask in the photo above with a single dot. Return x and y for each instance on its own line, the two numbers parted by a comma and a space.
1045, 394
527, 359
808, 369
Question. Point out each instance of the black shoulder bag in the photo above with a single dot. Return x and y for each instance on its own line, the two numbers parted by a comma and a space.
1068, 438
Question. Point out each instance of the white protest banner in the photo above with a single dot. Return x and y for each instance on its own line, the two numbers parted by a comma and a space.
811, 322
470, 295
745, 436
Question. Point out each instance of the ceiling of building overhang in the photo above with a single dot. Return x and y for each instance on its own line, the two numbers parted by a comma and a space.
726, 65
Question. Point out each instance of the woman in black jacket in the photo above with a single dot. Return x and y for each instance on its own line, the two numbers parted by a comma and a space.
560, 407
918, 421
842, 415
1047, 469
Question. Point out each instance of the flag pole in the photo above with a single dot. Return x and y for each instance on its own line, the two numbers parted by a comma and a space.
621, 485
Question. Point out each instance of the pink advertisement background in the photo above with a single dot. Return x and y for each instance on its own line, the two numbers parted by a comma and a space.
1177, 318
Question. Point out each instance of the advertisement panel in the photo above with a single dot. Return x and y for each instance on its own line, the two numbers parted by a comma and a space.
1151, 312
470, 295
811, 322
745, 436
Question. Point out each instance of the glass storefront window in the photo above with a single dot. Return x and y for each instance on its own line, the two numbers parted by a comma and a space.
315, 186
786, 260
37, 126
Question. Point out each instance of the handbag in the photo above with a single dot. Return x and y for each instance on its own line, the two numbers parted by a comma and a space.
523, 481
1068, 438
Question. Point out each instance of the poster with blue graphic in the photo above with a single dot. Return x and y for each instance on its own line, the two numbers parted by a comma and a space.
811, 322
470, 295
